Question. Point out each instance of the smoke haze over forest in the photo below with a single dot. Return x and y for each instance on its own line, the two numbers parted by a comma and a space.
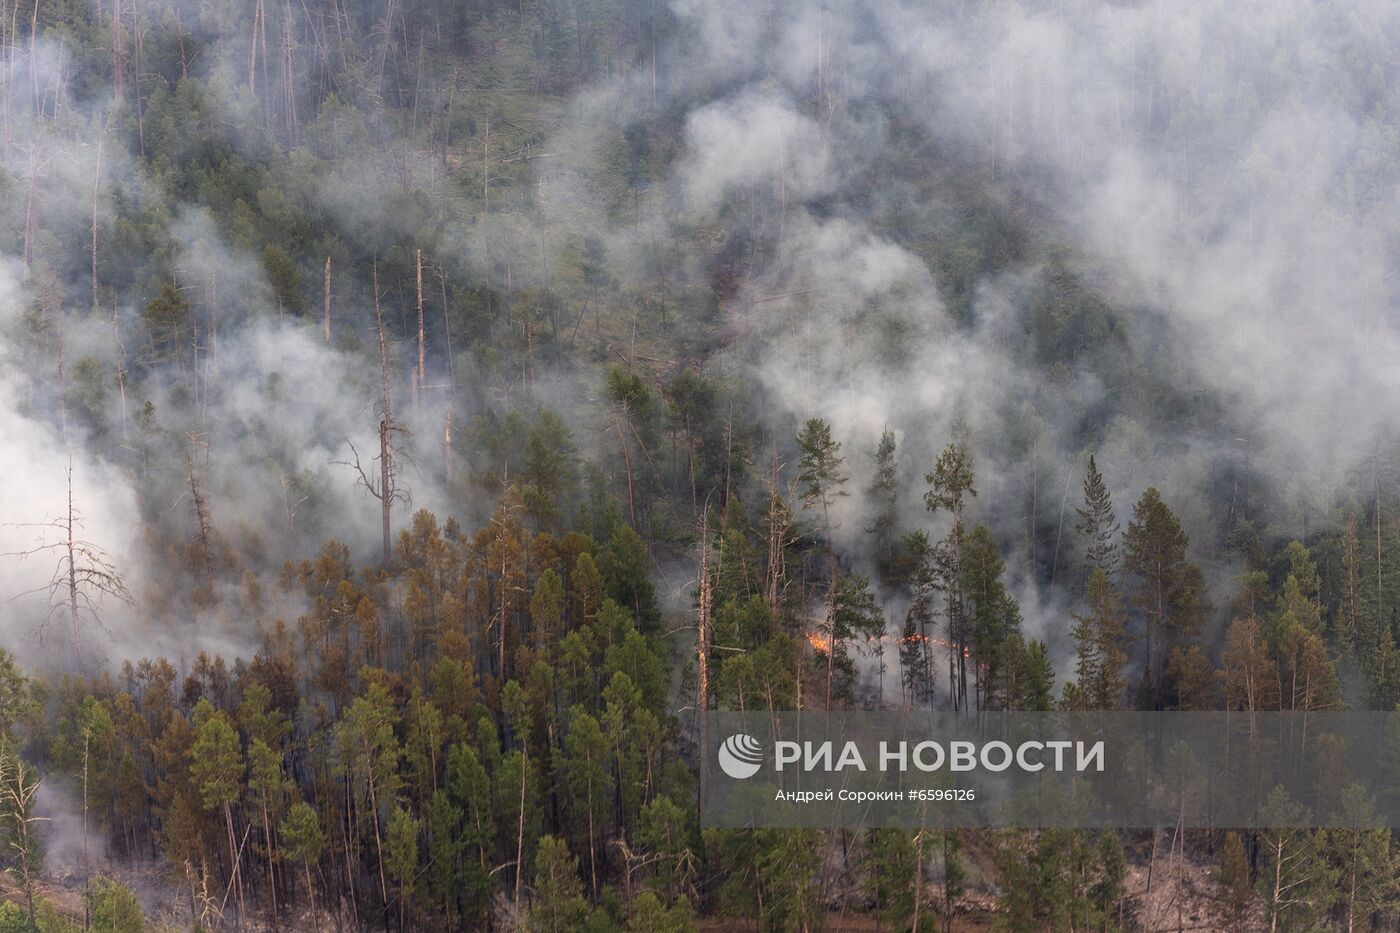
624, 253
1218, 177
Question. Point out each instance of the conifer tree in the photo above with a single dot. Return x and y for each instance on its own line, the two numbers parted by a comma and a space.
1298, 605
951, 482
1361, 862
883, 494
916, 654
822, 477
401, 854
559, 906
1234, 878
992, 615
216, 767
585, 768
1097, 522
303, 841
1170, 590
1098, 639
852, 613
1287, 861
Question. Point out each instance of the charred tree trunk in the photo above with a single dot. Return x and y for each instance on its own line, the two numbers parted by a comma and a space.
386, 424
422, 335
327, 293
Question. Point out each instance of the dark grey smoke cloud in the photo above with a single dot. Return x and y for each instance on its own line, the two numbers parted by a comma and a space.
1225, 170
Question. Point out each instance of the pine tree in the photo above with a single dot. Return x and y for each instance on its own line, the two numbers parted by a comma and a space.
883, 495
1170, 590
1248, 669
1362, 861
559, 906
951, 482
1287, 861
1098, 639
991, 613
303, 841
268, 785
1190, 679
1298, 605
1030, 675
852, 613
1234, 878
586, 590
369, 751
112, 907
469, 790
626, 567
547, 610
442, 827
895, 860
1355, 629
216, 767
401, 854
1097, 523
916, 651
585, 767
821, 478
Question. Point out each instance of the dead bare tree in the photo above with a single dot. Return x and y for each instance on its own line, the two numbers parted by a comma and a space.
422, 353
18, 786
447, 441
391, 437
96, 191
200, 504
705, 603
328, 299
82, 578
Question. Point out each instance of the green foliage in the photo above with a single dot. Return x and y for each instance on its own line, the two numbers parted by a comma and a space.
401, 847
883, 496
1233, 874
896, 861
112, 908
1097, 523
216, 758
821, 476
1059, 879
301, 834
12, 918
167, 319
559, 906
626, 567
1099, 655
650, 915
1170, 590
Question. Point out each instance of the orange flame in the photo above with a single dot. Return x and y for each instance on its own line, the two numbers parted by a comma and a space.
916, 638
822, 643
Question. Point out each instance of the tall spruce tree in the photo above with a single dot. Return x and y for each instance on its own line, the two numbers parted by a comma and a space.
822, 476
1169, 591
916, 647
992, 615
950, 483
883, 493
1097, 522
1098, 639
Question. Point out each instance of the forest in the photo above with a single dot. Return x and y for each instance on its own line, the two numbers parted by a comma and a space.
417, 412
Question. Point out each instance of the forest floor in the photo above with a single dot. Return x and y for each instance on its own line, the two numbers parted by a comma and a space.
66, 901
1184, 897
850, 923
